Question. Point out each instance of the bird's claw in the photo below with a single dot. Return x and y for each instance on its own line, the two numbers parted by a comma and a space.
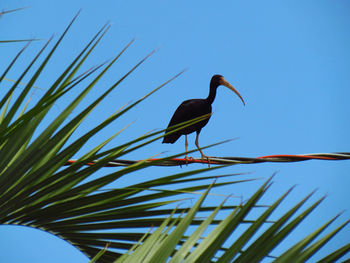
188, 159
207, 159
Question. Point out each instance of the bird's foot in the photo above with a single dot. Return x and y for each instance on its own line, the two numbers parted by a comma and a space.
188, 159
207, 159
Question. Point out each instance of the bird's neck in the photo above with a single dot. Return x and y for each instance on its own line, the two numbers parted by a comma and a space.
212, 93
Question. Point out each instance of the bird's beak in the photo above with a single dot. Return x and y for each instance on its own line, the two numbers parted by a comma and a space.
228, 85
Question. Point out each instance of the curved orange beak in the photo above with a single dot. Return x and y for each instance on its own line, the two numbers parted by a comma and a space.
228, 85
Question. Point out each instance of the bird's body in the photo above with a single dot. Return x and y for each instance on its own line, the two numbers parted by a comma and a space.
191, 109
188, 110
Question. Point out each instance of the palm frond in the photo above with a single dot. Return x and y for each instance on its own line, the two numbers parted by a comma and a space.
38, 190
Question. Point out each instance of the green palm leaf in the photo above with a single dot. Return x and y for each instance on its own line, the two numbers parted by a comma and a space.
136, 223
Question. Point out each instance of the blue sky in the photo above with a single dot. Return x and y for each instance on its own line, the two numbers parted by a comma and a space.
290, 60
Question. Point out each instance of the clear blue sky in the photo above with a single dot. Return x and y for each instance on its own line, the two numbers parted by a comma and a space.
290, 60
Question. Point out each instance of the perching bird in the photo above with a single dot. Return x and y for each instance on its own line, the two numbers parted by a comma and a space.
194, 108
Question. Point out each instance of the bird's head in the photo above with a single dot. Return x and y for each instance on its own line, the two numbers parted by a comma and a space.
218, 80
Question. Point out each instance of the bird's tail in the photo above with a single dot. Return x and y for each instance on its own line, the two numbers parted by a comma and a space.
171, 138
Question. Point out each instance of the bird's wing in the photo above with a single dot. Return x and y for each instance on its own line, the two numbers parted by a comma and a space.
188, 110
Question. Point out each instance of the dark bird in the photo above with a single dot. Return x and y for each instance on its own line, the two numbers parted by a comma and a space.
190, 109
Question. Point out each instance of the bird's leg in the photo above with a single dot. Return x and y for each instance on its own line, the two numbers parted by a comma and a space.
203, 156
186, 145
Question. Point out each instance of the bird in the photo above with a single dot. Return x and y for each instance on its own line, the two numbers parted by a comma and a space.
193, 108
